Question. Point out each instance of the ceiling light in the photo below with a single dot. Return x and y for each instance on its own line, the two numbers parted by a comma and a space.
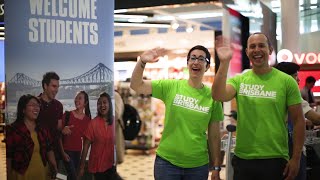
275, 4
189, 29
199, 15
174, 25
313, 1
130, 16
141, 25
136, 20
164, 18
120, 11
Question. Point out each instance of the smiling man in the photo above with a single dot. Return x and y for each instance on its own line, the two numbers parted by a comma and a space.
264, 96
51, 110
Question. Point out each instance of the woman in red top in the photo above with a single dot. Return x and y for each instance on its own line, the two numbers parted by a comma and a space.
28, 146
74, 127
99, 135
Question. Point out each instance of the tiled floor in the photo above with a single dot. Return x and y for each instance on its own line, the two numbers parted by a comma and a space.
139, 166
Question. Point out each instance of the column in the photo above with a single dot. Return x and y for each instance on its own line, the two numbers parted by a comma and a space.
290, 25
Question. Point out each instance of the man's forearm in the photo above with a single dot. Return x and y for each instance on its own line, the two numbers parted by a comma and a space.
219, 83
298, 137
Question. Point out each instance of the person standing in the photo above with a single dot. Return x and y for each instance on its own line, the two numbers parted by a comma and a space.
28, 146
292, 69
100, 136
190, 112
264, 97
51, 110
306, 92
75, 123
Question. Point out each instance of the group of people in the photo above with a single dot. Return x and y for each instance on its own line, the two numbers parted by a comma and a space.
268, 104
42, 135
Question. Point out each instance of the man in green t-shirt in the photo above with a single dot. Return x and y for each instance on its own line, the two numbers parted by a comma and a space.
264, 97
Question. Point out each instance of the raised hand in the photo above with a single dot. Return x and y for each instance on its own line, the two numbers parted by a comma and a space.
152, 55
223, 49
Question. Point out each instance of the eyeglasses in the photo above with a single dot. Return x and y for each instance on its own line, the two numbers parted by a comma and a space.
201, 59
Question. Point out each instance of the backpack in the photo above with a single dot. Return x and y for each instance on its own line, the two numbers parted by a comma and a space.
131, 121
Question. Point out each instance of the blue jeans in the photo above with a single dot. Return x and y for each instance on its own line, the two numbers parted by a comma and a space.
73, 165
164, 170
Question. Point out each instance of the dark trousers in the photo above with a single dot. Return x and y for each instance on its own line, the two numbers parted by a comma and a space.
73, 165
262, 169
110, 174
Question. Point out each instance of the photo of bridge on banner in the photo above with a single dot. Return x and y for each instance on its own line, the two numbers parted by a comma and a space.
98, 79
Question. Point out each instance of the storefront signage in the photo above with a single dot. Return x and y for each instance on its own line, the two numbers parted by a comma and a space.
285, 55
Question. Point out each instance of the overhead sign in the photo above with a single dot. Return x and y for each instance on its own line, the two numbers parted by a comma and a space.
285, 55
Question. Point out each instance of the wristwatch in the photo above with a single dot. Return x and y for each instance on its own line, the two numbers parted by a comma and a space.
215, 168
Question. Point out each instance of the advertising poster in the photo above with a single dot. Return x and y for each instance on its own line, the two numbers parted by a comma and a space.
73, 38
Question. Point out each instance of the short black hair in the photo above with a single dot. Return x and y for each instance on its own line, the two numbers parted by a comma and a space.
202, 48
288, 67
48, 76
310, 79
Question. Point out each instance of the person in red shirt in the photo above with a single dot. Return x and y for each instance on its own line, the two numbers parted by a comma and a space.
28, 145
100, 135
74, 128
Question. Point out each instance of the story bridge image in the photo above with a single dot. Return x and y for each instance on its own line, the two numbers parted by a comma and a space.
94, 81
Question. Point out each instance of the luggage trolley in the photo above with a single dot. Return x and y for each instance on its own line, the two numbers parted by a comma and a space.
227, 144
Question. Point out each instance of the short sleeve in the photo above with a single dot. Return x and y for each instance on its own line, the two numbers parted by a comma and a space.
60, 111
161, 87
234, 82
293, 92
305, 107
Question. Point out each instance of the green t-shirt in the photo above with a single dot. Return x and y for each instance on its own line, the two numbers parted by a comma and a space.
188, 114
263, 102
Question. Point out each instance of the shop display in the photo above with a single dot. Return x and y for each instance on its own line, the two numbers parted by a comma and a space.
146, 138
